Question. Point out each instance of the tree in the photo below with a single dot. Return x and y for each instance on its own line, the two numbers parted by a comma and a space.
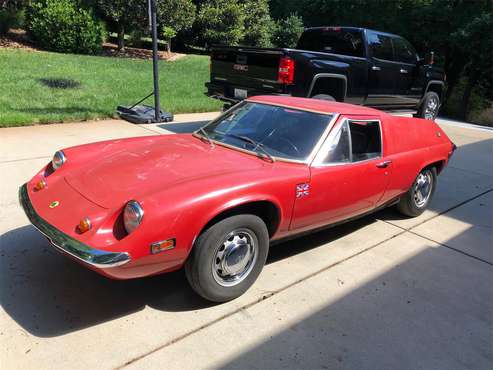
132, 15
221, 22
476, 40
176, 14
258, 24
124, 13
168, 34
288, 31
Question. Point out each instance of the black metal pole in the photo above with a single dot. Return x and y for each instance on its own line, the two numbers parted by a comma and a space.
155, 60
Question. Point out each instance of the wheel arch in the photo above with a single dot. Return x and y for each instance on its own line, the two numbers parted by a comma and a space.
439, 165
267, 210
328, 83
435, 86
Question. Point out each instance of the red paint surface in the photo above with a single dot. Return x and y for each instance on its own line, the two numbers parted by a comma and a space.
182, 183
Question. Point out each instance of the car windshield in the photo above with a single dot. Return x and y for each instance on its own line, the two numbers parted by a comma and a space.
268, 129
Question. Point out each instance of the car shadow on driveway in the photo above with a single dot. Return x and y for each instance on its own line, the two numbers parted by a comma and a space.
50, 295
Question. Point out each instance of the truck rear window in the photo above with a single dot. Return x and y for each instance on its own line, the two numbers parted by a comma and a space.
333, 40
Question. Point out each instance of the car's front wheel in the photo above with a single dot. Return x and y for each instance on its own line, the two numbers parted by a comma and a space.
228, 257
415, 201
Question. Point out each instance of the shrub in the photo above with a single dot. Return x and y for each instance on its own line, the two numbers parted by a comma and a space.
60, 26
221, 22
288, 31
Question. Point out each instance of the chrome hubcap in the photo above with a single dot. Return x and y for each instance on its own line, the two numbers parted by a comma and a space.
422, 189
431, 108
235, 257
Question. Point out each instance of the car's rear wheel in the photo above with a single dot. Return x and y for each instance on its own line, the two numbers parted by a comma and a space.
429, 106
415, 201
228, 257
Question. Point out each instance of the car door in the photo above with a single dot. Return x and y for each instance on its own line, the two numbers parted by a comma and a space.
348, 176
408, 86
383, 71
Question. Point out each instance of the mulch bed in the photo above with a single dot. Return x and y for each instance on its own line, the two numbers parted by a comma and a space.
17, 39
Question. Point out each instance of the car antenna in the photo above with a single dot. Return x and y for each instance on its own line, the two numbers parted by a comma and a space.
145, 113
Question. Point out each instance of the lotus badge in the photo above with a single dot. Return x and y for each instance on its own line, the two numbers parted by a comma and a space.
54, 204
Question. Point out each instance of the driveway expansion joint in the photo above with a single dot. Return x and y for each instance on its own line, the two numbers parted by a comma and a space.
409, 230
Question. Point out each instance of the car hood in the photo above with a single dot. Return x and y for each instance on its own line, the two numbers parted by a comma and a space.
136, 168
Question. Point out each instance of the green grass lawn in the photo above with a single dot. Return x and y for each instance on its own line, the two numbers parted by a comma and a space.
99, 85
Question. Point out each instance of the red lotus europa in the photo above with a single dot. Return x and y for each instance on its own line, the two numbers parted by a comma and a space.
269, 168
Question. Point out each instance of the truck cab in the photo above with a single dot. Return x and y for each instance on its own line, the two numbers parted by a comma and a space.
347, 64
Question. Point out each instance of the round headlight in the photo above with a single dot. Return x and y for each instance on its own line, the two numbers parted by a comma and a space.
58, 160
132, 216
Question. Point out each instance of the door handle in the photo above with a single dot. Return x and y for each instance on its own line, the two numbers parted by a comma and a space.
384, 164
404, 71
375, 68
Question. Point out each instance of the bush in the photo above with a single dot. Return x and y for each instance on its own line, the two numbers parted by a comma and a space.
221, 22
60, 26
288, 31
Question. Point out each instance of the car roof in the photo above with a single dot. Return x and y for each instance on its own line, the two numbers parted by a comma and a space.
316, 105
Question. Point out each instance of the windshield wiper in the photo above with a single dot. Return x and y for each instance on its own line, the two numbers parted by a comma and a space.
206, 136
256, 144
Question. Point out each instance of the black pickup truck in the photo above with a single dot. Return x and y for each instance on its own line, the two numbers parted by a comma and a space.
353, 65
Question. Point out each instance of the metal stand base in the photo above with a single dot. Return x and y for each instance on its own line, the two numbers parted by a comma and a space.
143, 114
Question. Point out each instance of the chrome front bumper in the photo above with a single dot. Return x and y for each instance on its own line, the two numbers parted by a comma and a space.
67, 244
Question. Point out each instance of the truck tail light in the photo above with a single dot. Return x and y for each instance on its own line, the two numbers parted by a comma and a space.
286, 70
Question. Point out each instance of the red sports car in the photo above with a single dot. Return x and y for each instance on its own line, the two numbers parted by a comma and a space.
212, 201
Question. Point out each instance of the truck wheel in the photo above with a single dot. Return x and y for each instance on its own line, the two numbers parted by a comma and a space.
430, 106
228, 257
415, 201
323, 97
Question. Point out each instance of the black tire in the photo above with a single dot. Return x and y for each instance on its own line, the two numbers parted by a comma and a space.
199, 267
429, 106
323, 97
409, 204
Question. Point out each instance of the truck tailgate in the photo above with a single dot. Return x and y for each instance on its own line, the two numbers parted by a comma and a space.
249, 68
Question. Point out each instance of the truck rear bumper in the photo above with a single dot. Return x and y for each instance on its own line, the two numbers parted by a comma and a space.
227, 92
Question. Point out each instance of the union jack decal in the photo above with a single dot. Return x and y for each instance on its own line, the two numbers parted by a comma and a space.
302, 190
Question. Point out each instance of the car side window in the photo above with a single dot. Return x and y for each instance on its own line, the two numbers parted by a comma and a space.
404, 52
339, 150
366, 140
380, 46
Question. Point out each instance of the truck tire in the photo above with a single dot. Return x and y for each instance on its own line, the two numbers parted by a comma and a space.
228, 257
429, 106
323, 97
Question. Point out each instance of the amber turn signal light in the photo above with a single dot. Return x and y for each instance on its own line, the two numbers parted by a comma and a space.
40, 185
84, 225
163, 245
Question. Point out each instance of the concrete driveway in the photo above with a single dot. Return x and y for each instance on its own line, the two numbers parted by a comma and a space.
382, 292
